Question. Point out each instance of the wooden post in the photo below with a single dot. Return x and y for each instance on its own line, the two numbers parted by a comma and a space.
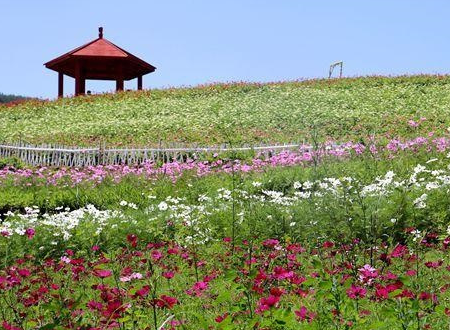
119, 76
82, 85
60, 84
119, 84
80, 81
139, 83
77, 79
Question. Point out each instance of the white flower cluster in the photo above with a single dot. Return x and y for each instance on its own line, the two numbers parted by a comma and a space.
61, 224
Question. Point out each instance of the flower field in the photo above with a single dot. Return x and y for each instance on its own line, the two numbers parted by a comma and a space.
350, 231
286, 248
294, 111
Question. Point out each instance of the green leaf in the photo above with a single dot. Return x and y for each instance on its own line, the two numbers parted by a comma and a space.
325, 285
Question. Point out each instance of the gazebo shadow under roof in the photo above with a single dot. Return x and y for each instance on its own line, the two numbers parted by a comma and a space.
99, 59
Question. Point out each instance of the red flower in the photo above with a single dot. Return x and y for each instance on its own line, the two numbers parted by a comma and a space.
102, 273
24, 272
406, 294
8, 326
220, 318
168, 274
279, 273
399, 251
132, 239
142, 292
382, 293
328, 244
276, 292
434, 264
356, 292
30, 233
447, 311
265, 304
156, 255
304, 315
270, 242
166, 302
197, 288
94, 305
411, 272
446, 242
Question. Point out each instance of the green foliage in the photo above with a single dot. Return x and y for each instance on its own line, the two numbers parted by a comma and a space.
11, 162
345, 108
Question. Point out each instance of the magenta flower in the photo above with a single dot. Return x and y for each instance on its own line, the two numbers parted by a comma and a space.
356, 292
142, 292
168, 274
367, 274
265, 304
30, 233
156, 255
304, 315
102, 273
166, 302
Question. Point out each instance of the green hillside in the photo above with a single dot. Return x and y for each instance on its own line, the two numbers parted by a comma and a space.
337, 109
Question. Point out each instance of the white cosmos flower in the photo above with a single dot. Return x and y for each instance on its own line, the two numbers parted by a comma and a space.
163, 206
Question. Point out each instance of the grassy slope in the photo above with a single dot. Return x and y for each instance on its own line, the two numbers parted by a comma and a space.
339, 109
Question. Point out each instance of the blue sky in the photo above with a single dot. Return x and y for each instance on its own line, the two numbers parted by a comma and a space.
203, 41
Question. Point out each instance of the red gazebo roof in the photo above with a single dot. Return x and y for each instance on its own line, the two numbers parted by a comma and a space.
100, 59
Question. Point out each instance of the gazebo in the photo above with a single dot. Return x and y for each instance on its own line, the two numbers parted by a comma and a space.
99, 59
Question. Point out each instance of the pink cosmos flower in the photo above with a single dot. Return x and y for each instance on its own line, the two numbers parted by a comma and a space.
30, 233
94, 305
168, 274
166, 302
66, 259
156, 255
367, 274
399, 251
24, 272
413, 123
133, 276
270, 242
8, 326
142, 292
265, 304
356, 292
102, 273
328, 244
220, 318
434, 264
304, 315
280, 273
411, 272
197, 289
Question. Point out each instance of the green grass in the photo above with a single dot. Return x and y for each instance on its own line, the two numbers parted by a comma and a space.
278, 112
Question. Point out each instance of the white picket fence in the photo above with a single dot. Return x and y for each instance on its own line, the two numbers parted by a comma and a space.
56, 155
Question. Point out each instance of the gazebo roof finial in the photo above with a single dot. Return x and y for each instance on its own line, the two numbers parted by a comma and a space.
100, 32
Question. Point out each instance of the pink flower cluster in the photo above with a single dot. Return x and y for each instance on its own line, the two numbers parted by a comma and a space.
303, 156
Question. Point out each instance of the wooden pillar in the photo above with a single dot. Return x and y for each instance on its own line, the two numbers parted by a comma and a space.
60, 84
80, 81
77, 78
119, 76
139, 83
119, 84
82, 85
